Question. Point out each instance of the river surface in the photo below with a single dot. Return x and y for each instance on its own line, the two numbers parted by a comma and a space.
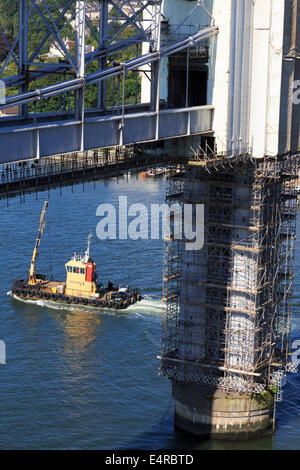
78, 378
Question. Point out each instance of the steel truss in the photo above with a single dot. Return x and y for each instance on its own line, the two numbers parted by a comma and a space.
122, 25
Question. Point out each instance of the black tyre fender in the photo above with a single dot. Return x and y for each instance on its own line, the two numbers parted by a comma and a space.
68, 299
101, 303
95, 302
108, 304
76, 300
24, 293
84, 301
17, 292
114, 305
46, 295
54, 297
30, 293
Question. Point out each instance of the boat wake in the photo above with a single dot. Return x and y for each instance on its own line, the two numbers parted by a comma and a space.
148, 305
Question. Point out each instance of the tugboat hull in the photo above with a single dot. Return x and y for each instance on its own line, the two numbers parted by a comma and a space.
45, 291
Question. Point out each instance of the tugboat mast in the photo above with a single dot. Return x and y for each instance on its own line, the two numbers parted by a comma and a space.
31, 276
87, 253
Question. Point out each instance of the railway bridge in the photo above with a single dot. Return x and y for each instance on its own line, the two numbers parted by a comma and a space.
216, 84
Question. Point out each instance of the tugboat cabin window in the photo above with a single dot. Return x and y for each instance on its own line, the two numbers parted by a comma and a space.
76, 270
82, 271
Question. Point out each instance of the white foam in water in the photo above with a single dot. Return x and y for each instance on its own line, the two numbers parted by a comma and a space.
147, 306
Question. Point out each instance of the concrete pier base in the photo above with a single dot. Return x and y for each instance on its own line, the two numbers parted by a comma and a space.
221, 415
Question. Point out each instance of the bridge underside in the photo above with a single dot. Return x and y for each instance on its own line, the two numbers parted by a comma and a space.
33, 140
32, 176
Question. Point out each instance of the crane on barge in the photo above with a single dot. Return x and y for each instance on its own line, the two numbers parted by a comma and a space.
31, 276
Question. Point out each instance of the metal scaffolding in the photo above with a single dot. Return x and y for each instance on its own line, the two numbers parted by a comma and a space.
229, 324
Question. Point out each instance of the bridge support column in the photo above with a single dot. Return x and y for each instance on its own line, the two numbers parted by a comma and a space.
222, 415
226, 316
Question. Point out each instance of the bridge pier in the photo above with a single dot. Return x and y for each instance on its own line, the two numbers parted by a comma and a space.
226, 319
222, 415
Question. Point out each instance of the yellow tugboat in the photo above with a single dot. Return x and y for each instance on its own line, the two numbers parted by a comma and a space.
81, 286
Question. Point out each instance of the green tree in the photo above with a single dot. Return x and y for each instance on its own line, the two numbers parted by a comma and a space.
9, 17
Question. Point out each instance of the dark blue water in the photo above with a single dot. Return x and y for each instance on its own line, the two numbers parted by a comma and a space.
77, 378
